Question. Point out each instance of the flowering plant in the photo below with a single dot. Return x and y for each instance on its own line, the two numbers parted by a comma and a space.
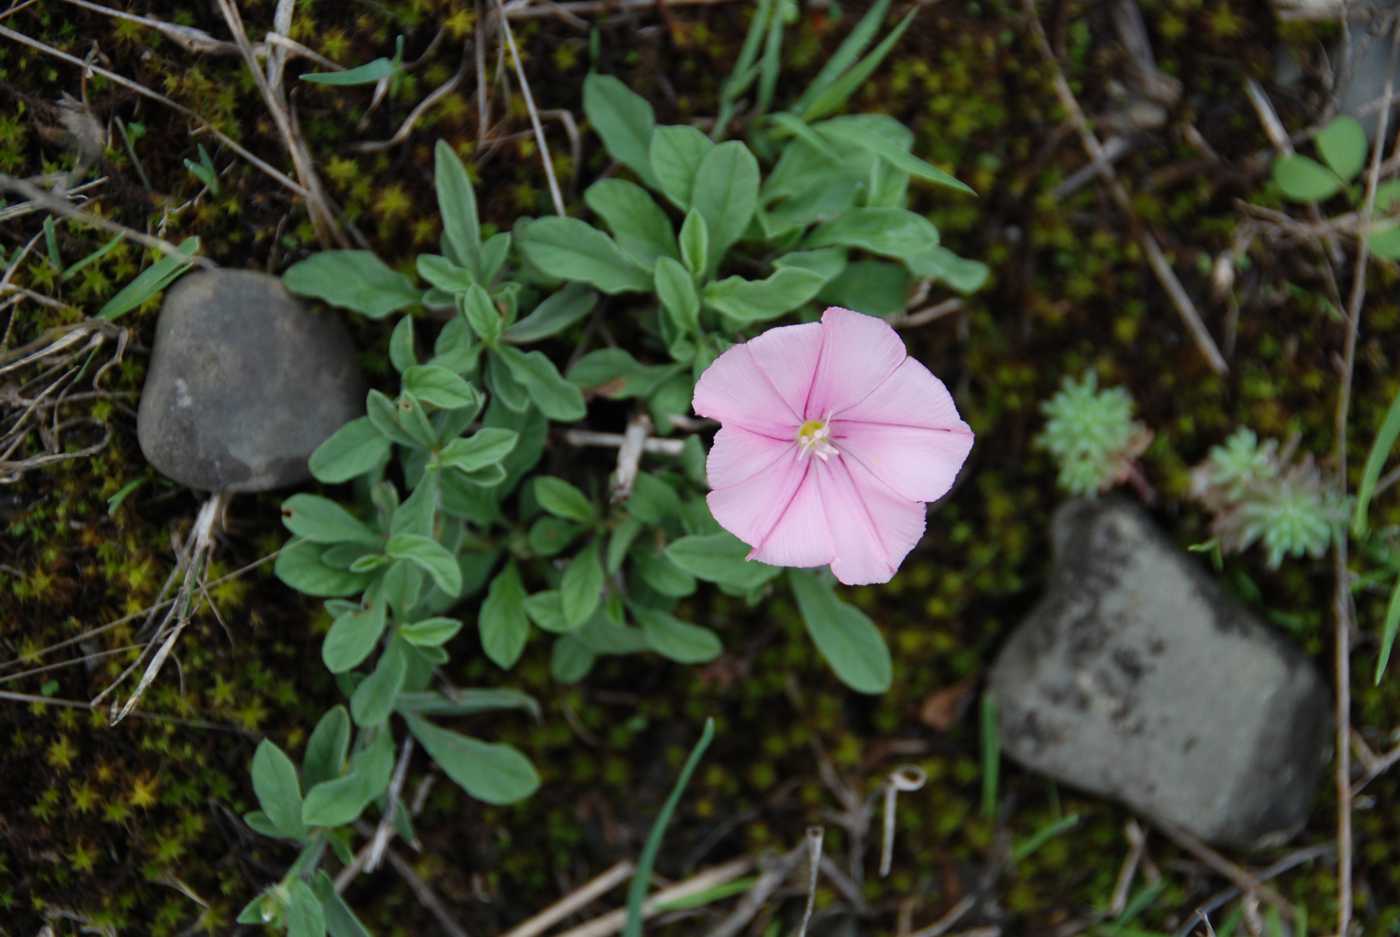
479, 513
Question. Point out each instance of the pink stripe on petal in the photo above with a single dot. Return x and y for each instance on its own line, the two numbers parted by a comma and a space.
738, 454
750, 509
918, 464
800, 537
734, 390
910, 396
788, 357
872, 527
858, 353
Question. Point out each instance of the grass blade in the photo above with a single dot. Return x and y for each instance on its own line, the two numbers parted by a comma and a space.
1028, 846
636, 894
151, 281
833, 98
1392, 625
846, 55
1385, 441
991, 754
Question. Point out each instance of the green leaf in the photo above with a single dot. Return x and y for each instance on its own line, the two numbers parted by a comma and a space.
299, 565
620, 541
481, 314
676, 290
502, 621
876, 287
555, 397
352, 637
1303, 179
889, 151
653, 501
825, 262
150, 281
965, 276
834, 96
726, 195
623, 119
279, 792
503, 385
367, 74
430, 632
894, 232
354, 280
677, 640
340, 801
1388, 631
554, 315
562, 499
401, 353
637, 891
720, 558
749, 301
304, 915
373, 699
340, 920
326, 749
1384, 241
581, 588
1375, 461
550, 536
461, 229
638, 224
402, 587
570, 660
430, 556
487, 446
676, 154
574, 250
661, 574
695, 243
321, 520
547, 612
1343, 146
440, 387
613, 373
496, 774
355, 449
849, 640
467, 702
444, 274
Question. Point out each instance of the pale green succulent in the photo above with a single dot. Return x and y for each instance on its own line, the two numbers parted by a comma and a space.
1092, 435
1241, 462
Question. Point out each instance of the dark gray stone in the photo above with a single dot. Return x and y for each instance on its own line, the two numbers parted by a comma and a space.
1139, 678
1366, 59
243, 384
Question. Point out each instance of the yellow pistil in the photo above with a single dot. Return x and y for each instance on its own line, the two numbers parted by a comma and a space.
814, 438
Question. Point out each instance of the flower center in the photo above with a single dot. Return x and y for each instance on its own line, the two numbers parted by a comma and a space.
814, 438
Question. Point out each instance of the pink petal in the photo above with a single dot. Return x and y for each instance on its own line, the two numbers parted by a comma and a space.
910, 396
750, 508
801, 536
788, 356
872, 527
918, 464
857, 353
738, 454
735, 390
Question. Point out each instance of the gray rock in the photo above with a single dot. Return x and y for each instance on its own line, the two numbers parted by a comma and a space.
243, 384
1366, 58
1138, 678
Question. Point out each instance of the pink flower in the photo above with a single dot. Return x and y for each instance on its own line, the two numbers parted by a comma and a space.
831, 440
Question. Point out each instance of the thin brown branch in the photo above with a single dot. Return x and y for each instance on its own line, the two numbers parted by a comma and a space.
1239, 876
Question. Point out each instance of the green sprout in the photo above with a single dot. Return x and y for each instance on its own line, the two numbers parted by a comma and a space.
1092, 435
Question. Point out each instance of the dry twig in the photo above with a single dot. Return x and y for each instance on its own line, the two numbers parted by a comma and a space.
554, 192
613, 921
574, 901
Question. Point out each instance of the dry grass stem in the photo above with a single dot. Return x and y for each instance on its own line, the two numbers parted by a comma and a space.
950, 918
423, 106
901, 781
1137, 842
575, 901
769, 881
554, 192
524, 9
583, 437
613, 921
1156, 259
1246, 881
629, 456
814, 865
63, 207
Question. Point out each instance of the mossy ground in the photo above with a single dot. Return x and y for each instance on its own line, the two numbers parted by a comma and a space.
136, 826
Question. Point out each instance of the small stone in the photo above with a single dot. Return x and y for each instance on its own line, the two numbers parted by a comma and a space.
243, 384
1366, 58
1139, 678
